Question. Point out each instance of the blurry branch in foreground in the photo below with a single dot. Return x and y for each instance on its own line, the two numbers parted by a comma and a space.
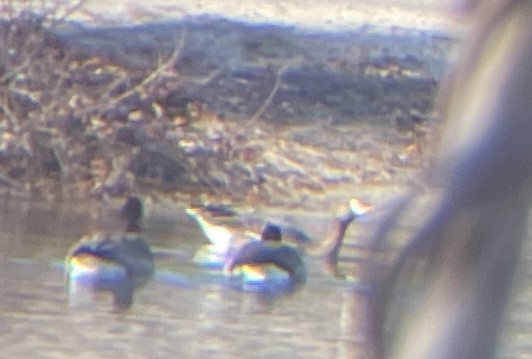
471, 242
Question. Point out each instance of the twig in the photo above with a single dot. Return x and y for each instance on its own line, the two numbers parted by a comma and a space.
278, 81
164, 68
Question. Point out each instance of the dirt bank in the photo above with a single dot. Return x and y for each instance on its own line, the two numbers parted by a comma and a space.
207, 110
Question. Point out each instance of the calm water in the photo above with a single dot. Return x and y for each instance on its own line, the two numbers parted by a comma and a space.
185, 311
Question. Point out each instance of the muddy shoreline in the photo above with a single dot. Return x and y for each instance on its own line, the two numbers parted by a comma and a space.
207, 110
342, 75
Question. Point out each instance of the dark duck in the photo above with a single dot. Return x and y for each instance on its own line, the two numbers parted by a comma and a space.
117, 263
270, 251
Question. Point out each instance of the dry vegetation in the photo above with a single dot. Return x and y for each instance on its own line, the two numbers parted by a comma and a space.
76, 125
73, 121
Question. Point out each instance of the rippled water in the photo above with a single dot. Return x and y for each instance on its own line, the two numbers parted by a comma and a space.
185, 311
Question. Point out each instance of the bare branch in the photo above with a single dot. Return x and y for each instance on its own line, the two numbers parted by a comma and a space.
278, 81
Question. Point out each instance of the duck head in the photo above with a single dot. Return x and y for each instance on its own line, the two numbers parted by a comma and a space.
356, 208
271, 232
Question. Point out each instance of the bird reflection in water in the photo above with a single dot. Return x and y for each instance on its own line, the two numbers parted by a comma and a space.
117, 263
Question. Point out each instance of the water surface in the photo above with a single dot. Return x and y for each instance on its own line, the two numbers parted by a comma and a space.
185, 311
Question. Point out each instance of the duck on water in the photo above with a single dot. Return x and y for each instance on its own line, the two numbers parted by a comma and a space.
117, 263
227, 232
270, 251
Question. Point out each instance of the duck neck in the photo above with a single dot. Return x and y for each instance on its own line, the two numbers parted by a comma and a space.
330, 246
133, 225
336, 236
